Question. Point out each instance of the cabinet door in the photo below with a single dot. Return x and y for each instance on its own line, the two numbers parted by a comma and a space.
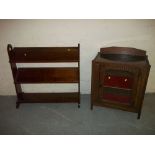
118, 85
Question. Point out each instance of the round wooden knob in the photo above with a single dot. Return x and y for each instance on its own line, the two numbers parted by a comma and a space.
126, 80
68, 49
109, 77
25, 54
9, 47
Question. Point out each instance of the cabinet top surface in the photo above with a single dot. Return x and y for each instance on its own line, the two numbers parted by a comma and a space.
121, 59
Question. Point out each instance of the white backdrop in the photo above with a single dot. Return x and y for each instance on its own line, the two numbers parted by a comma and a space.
91, 34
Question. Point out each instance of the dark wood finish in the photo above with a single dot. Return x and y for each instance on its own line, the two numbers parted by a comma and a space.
49, 97
79, 76
123, 50
14, 72
45, 54
47, 75
44, 74
123, 57
117, 83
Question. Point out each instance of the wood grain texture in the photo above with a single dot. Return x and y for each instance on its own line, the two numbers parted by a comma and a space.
45, 74
45, 54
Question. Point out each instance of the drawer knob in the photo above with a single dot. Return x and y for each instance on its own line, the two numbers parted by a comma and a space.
25, 54
68, 49
126, 80
109, 77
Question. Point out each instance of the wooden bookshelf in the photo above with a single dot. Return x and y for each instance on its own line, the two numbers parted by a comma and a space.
42, 75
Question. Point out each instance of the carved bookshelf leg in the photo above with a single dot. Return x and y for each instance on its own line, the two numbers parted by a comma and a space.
14, 72
79, 77
78, 105
79, 102
19, 94
17, 105
139, 114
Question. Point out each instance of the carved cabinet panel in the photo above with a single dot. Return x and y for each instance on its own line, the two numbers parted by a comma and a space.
119, 83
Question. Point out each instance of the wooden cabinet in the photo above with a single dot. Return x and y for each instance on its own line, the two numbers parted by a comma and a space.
49, 75
119, 78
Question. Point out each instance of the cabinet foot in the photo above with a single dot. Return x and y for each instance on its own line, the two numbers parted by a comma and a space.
78, 105
17, 105
139, 114
91, 107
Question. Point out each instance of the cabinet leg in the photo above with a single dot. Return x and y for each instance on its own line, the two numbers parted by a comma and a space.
78, 105
139, 114
17, 104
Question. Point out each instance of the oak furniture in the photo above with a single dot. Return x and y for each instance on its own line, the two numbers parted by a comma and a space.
40, 75
119, 78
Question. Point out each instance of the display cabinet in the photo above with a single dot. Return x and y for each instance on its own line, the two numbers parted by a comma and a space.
119, 78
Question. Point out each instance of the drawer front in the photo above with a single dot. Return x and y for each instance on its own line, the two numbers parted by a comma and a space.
117, 98
118, 81
118, 85
117, 95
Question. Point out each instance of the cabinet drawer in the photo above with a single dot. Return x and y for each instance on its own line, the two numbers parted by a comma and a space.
117, 98
118, 81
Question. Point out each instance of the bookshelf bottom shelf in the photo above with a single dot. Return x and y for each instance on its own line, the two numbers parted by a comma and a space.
48, 97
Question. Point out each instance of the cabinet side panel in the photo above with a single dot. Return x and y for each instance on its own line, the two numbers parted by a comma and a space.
94, 82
